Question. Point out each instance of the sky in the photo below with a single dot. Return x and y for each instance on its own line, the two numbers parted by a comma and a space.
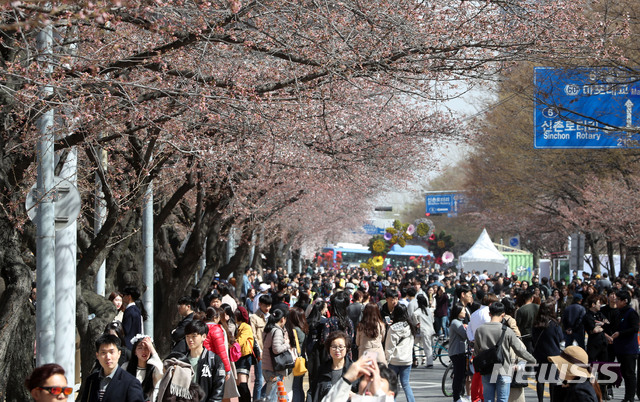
470, 104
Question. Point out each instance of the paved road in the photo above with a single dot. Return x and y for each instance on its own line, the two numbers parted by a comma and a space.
427, 383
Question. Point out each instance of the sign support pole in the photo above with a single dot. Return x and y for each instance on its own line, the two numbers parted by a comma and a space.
46, 233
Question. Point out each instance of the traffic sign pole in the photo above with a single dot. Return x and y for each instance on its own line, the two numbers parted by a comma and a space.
147, 276
65, 257
46, 234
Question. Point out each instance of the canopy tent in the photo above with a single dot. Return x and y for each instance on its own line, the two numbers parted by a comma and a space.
409, 249
484, 255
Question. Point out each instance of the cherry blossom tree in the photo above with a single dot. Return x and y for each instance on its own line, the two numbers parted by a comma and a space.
278, 118
546, 195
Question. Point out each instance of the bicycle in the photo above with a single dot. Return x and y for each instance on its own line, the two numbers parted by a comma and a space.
441, 350
447, 381
447, 378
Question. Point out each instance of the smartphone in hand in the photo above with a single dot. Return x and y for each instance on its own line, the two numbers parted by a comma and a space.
370, 354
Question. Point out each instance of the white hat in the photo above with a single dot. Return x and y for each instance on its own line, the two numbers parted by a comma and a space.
264, 287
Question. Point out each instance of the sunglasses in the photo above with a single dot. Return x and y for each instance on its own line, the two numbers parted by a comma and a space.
58, 390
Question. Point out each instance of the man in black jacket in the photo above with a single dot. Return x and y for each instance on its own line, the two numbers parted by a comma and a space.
572, 322
132, 317
110, 383
185, 309
208, 367
625, 343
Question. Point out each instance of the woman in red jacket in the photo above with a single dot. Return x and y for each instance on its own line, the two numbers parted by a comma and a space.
215, 339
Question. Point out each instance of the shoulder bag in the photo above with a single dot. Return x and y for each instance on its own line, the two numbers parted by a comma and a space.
282, 361
484, 361
300, 366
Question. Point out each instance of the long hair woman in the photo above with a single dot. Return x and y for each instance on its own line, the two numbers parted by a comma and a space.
230, 318
276, 341
424, 318
458, 348
339, 320
399, 348
442, 309
230, 390
546, 338
145, 365
370, 333
116, 299
297, 327
594, 322
215, 340
315, 349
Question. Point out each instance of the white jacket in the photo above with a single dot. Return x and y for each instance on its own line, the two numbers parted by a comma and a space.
341, 392
425, 321
399, 344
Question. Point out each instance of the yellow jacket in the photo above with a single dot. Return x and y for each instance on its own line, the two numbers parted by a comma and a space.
245, 338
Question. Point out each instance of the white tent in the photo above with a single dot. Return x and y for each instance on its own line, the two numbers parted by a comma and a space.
484, 255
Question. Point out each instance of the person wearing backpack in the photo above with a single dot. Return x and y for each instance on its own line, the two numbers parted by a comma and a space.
208, 368
496, 335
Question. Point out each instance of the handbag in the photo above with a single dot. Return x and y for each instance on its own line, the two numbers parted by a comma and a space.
282, 361
256, 356
300, 365
515, 383
484, 361
235, 352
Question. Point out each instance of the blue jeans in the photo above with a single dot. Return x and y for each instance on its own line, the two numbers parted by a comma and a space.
259, 387
298, 391
404, 374
272, 378
497, 391
445, 326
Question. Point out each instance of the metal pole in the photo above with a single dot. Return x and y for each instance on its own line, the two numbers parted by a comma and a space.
65, 256
99, 217
147, 239
46, 234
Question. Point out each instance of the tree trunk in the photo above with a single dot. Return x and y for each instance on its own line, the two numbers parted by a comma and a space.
595, 255
296, 255
610, 252
17, 318
103, 311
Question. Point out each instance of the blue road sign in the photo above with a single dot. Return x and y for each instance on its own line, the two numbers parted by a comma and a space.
586, 108
444, 203
372, 230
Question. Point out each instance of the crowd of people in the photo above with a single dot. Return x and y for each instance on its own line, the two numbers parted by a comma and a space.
356, 332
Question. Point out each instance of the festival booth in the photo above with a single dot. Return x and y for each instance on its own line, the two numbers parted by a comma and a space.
484, 255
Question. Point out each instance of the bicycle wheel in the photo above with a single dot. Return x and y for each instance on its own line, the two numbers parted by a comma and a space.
444, 358
443, 354
447, 381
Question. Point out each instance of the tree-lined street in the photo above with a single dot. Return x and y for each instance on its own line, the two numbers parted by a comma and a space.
243, 131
